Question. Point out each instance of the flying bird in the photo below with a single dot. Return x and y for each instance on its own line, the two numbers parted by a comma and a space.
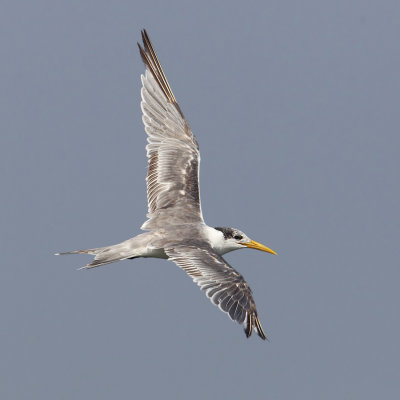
175, 226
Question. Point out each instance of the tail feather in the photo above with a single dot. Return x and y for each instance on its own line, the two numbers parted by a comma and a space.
103, 255
73, 252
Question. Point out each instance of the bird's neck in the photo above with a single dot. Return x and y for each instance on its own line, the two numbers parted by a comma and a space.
218, 242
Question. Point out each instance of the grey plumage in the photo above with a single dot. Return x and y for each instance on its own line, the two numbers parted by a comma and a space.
175, 225
223, 285
172, 150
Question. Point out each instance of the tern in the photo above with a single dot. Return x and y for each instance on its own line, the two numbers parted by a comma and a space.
175, 226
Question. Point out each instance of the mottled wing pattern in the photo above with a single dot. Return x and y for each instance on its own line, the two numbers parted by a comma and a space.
173, 153
224, 286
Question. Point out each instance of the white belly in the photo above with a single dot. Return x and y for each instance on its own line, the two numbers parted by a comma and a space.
155, 253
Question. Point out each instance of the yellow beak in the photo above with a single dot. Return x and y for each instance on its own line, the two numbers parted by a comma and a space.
259, 246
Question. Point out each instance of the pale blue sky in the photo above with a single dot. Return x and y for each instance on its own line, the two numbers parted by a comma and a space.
295, 105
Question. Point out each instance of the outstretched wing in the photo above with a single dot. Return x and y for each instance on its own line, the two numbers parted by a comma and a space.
224, 286
173, 174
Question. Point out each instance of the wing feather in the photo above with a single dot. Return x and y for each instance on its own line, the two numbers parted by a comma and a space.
173, 153
223, 285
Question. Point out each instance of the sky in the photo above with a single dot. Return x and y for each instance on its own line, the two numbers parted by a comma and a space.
296, 109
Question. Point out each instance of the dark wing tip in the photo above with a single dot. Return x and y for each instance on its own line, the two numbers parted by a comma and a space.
259, 328
152, 63
252, 321
248, 329
142, 54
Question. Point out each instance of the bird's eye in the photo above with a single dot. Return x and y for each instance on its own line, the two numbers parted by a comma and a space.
238, 237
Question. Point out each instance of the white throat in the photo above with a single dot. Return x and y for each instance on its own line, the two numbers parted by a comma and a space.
218, 242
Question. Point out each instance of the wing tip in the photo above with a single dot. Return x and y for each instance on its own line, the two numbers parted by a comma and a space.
150, 60
252, 321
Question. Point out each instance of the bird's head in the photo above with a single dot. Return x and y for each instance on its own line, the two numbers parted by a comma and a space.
234, 239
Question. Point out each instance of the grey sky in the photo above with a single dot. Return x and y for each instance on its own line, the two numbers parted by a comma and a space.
295, 105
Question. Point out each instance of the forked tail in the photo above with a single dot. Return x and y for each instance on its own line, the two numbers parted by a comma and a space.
103, 255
